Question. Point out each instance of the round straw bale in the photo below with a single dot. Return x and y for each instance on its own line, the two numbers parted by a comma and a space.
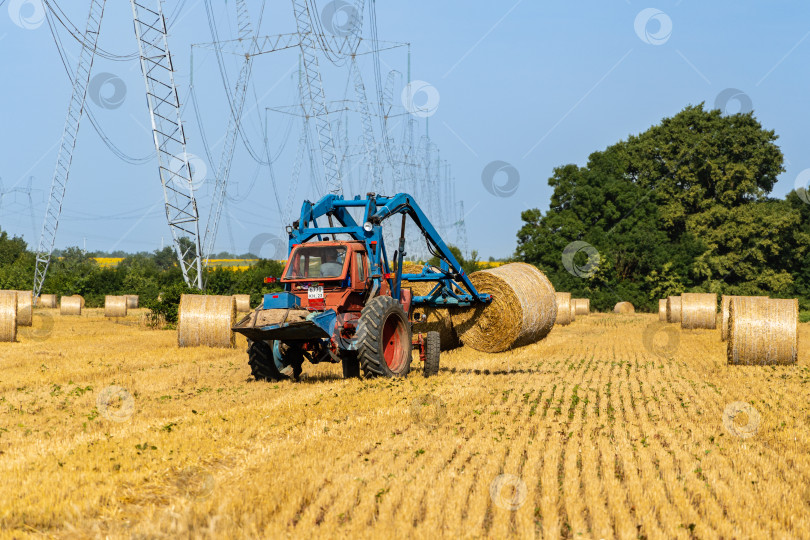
132, 301
8, 316
624, 307
573, 312
699, 310
674, 309
81, 299
583, 305
563, 308
206, 321
662, 310
25, 308
115, 306
762, 331
47, 301
242, 303
436, 319
725, 300
71, 305
522, 310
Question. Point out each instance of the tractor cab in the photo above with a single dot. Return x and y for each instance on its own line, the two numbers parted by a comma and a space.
328, 274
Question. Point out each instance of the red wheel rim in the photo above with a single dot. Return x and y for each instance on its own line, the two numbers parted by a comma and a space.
392, 343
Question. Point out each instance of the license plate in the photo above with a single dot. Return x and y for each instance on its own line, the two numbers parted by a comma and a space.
315, 293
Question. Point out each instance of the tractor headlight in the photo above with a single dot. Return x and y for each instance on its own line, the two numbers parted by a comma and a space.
368, 227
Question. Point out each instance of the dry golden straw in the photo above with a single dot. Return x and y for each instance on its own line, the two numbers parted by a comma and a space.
583, 305
132, 301
436, 319
71, 305
564, 308
47, 301
699, 310
8, 316
115, 306
522, 311
762, 331
662, 310
206, 321
242, 303
725, 300
624, 307
573, 312
674, 309
25, 308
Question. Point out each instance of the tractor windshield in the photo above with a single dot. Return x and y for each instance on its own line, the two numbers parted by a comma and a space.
317, 262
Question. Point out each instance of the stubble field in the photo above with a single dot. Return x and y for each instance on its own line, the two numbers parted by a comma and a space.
613, 426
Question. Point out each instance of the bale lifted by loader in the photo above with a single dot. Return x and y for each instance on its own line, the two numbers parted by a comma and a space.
343, 301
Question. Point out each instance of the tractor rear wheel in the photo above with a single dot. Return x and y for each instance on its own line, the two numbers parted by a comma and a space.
432, 352
384, 338
262, 365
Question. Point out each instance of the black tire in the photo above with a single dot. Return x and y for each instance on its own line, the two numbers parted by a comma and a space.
260, 360
383, 317
432, 352
351, 364
262, 366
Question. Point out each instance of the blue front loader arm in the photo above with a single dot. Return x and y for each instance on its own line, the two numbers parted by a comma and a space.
451, 280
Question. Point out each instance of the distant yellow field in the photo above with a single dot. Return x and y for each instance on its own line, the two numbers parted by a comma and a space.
233, 264
106, 262
244, 264
613, 426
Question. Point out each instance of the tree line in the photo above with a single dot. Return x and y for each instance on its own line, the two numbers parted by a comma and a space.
149, 275
682, 207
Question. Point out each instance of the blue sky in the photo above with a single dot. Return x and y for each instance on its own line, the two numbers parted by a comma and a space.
534, 84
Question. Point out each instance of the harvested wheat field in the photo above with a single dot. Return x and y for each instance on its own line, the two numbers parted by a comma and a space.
616, 426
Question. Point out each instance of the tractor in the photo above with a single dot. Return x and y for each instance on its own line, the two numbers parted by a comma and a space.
344, 301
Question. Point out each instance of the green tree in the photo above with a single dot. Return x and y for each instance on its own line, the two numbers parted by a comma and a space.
75, 272
681, 207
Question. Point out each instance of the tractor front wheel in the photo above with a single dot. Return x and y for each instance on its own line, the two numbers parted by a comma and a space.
432, 347
262, 365
384, 339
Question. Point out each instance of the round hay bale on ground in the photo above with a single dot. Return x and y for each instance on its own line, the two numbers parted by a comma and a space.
132, 301
71, 305
8, 316
662, 310
624, 307
564, 308
206, 321
674, 309
725, 300
25, 308
242, 303
763, 331
47, 301
699, 310
436, 319
115, 306
572, 312
522, 311
582, 305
